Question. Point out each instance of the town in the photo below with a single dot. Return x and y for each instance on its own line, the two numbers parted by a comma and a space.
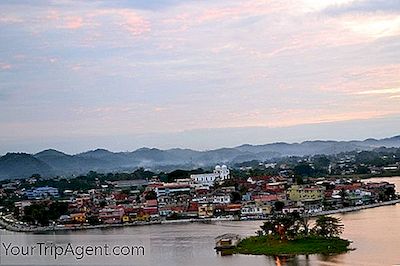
242, 193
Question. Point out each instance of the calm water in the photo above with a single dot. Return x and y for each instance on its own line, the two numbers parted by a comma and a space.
375, 234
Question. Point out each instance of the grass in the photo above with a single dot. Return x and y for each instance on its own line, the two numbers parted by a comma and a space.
267, 245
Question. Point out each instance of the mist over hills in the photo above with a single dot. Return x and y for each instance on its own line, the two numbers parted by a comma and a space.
52, 162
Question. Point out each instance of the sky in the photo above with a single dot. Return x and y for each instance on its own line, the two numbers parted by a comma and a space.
122, 74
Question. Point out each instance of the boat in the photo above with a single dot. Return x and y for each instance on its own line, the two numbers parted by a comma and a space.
226, 241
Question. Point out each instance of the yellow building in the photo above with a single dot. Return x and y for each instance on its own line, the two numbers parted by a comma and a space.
205, 211
266, 209
143, 217
126, 219
304, 193
78, 217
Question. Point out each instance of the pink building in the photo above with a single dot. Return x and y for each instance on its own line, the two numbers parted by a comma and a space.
111, 214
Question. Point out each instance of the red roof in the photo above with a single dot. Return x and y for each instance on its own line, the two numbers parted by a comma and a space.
193, 206
151, 203
120, 196
155, 185
265, 197
348, 187
233, 207
150, 210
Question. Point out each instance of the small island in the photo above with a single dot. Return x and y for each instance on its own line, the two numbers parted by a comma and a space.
291, 235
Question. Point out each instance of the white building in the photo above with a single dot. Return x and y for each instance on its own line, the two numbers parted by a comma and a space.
221, 199
172, 188
41, 192
270, 165
220, 173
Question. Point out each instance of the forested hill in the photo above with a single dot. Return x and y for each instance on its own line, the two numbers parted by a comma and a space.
52, 162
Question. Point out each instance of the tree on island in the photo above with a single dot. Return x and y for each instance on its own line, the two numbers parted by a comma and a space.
293, 225
327, 226
286, 226
290, 234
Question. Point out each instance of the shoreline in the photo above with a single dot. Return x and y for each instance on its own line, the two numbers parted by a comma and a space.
18, 228
23, 229
356, 208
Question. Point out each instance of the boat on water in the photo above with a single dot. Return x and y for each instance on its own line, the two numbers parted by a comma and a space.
226, 241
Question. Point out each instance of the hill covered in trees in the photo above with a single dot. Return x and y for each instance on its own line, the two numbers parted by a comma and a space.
52, 162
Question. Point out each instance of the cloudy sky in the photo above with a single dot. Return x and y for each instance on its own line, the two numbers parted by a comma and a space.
76, 75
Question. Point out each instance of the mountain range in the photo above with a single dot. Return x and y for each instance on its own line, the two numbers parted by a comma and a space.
52, 162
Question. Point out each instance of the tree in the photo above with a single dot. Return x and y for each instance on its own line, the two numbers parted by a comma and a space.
103, 203
56, 209
268, 227
387, 193
36, 214
321, 161
361, 169
236, 197
284, 226
343, 195
41, 213
327, 226
305, 223
303, 169
299, 180
151, 195
278, 206
36, 176
93, 220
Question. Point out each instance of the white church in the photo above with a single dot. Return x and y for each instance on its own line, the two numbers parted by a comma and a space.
220, 173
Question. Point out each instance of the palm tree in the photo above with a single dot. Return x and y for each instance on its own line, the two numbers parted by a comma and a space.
343, 195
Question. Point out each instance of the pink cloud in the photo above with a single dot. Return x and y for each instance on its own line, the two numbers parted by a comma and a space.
134, 23
127, 19
63, 20
72, 23
5, 66
53, 15
10, 19
191, 18
355, 80
297, 116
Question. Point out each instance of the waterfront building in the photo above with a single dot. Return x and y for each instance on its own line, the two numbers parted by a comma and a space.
232, 209
111, 214
304, 193
79, 217
150, 208
255, 210
251, 210
64, 219
205, 211
292, 209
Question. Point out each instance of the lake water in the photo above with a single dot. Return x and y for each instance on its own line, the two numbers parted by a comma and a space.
375, 234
